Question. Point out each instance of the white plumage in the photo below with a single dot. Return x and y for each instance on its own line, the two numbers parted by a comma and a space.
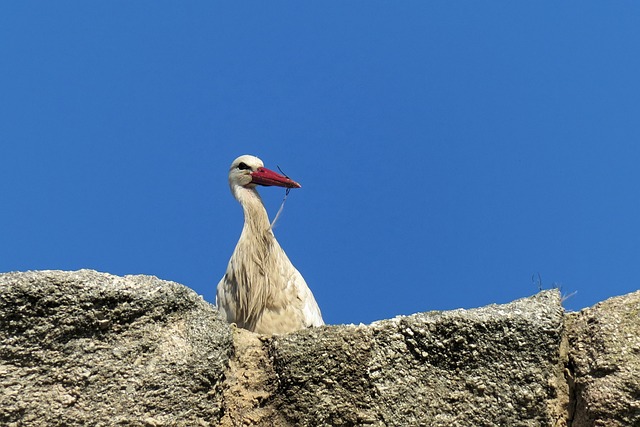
261, 290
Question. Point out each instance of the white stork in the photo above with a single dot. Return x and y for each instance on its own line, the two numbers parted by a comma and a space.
261, 290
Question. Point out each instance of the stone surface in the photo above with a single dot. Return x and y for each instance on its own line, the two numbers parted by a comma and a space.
85, 348
604, 357
498, 365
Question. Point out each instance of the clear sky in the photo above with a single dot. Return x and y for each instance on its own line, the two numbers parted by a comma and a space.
448, 151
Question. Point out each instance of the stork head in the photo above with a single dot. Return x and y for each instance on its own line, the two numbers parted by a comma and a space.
249, 171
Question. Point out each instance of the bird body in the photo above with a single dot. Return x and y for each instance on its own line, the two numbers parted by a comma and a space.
261, 290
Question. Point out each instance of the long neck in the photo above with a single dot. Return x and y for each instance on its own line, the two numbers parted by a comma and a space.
256, 220
253, 258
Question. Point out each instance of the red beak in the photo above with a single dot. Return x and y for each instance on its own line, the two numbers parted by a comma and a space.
266, 177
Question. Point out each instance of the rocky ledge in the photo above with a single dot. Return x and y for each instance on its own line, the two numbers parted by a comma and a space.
89, 348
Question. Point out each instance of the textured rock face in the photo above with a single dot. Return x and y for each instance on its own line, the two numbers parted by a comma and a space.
498, 365
605, 358
86, 348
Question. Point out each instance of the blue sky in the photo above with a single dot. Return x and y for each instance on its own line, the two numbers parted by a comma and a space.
448, 151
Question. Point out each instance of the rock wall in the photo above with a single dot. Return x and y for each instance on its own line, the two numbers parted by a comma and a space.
84, 348
88, 348
604, 361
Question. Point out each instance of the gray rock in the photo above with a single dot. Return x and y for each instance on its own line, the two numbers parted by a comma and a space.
85, 348
498, 365
604, 357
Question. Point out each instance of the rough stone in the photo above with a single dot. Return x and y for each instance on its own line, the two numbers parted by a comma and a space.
86, 348
604, 358
498, 365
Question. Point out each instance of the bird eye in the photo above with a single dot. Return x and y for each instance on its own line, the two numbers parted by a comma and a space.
243, 166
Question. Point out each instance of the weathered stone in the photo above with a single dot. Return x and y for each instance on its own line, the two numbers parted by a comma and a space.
86, 348
604, 356
498, 365
251, 383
